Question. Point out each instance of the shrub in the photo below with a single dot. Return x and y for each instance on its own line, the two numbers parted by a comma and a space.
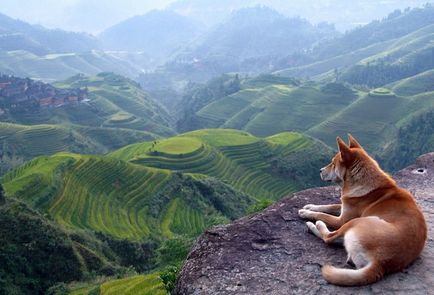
168, 276
259, 206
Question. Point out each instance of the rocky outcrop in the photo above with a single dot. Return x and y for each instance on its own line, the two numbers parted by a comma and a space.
273, 253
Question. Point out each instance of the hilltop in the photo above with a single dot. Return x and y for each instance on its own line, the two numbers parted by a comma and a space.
19, 35
260, 167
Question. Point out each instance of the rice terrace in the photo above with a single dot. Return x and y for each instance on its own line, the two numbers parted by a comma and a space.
136, 136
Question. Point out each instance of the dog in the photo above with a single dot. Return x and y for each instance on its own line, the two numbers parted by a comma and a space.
383, 229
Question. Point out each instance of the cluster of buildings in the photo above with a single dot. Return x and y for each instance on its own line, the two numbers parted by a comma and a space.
25, 93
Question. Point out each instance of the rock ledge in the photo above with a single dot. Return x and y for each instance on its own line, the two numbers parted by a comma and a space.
272, 252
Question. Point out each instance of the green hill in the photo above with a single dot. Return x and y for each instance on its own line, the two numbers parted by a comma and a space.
38, 254
376, 54
113, 101
19, 143
420, 83
51, 67
276, 105
167, 187
141, 205
120, 199
150, 284
117, 113
374, 119
263, 168
321, 110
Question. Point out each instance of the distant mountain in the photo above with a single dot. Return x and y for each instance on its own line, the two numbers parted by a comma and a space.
253, 33
210, 12
34, 51
258, 31
345, 14
379, 53
19, 35
252, 40
159, 33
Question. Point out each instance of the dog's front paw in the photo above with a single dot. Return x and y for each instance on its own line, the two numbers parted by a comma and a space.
304, 213
310, 207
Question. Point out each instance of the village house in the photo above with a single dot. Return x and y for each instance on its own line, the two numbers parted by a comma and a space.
29, 95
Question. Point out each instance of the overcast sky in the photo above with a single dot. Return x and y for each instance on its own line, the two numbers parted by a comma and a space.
78, 15
94, 16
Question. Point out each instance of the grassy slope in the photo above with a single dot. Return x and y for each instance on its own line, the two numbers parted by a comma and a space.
248, 163
33, 269
325, 110
118, 113
53, 67
417, 84
136, 285
399, 50
115, 196
118, 102
149, 284
268, 109
341, 61
114, 102
374, 119
118, 198
20, 143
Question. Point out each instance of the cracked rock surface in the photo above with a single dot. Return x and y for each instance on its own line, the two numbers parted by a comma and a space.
272, 252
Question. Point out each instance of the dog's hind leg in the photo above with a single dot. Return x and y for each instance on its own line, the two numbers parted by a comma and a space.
320, 230
330, 220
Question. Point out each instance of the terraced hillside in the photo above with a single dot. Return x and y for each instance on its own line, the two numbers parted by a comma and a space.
113, 101
19, 143
136, 285
418, 84
263, 168
267, 107
118, 112
54, 66
121, 199
376, 54
324, 110
374, 118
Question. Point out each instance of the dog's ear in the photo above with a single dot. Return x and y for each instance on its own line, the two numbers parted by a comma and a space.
353, 142
345, 150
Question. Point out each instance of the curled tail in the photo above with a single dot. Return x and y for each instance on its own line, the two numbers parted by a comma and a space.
368, 274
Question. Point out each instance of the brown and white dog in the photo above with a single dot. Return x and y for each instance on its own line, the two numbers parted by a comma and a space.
382, 227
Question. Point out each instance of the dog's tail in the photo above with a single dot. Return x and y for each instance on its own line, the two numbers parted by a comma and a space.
368, 274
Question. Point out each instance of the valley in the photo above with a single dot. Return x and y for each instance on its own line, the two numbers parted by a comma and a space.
119, 148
